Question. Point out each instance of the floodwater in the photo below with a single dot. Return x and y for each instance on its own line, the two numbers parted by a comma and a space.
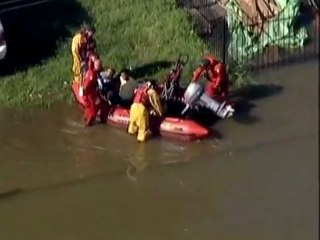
60, 181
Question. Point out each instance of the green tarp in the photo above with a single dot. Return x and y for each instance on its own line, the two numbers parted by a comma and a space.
279, 31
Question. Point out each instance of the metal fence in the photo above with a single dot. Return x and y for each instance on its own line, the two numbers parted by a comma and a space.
210, 22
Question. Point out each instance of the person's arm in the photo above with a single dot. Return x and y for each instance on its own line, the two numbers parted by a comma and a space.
197, 74
88, 81
217, 81
155, 102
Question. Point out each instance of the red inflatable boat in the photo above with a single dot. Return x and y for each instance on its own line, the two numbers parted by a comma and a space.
169, 126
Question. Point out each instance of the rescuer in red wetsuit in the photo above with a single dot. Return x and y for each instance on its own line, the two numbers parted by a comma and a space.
92, 102
216, 74
83, 44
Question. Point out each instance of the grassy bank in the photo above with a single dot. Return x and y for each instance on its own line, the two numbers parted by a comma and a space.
129, 33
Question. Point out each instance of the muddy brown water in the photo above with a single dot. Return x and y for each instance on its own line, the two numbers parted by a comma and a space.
260, 181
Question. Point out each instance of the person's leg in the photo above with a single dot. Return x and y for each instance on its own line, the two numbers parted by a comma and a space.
143, 124
134, 114
103, 109
114, 98
90, 112
88, 118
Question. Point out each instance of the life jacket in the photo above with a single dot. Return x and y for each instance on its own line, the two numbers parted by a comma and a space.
104, 83
141, 96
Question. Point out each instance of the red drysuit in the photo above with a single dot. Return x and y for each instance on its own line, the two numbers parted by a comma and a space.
92, 102
90, 97
215, 72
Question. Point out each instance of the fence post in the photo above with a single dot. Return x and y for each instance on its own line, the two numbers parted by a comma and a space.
224, 42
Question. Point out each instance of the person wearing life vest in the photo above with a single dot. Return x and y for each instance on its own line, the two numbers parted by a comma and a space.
84, 68
144, 98
219, 88
83, 44
215, 72
92, 102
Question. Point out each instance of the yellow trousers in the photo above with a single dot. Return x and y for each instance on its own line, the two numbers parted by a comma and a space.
139, 121
75, 49
76, 68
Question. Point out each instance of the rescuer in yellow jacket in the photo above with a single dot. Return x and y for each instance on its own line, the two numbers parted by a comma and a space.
144, 98
83, 45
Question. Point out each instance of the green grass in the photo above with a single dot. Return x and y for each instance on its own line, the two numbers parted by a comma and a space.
240, 75
129, 33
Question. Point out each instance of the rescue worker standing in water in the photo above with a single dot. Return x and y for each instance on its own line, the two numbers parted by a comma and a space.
83, 45
92, 102
144, 98
216, 74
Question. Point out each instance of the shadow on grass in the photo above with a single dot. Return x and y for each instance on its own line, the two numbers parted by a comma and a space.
149, 69
33, 33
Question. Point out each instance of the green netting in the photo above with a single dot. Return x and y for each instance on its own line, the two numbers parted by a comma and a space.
280, 31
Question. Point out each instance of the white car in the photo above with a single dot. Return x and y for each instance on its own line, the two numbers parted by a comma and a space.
3, 44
